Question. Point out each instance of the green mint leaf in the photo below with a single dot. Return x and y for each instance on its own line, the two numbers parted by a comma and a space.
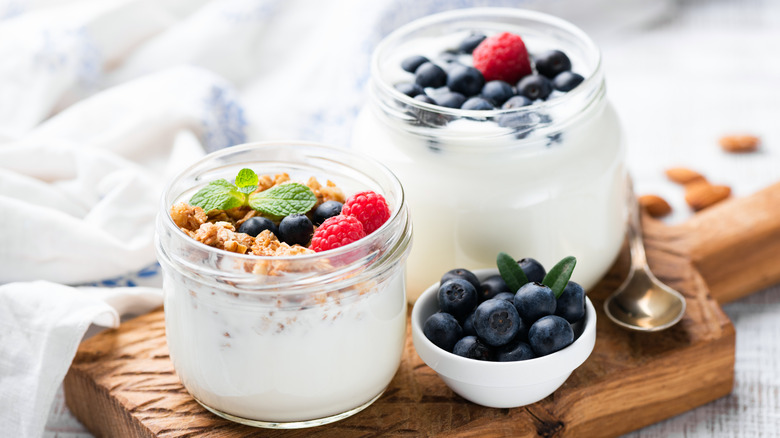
559, 275
511, 272
218, 195
246, 178
283, 200
247, 189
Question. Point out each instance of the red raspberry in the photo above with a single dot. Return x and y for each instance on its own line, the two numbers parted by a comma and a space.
369, 208
502, 57
336, 231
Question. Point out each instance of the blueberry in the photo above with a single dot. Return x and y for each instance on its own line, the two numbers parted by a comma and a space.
471, 42
477, 104
430, 75
468, 325
551, 63
514, 351
463, 274
411, 63
326, 210
496, 322
465, 80
534, 87
449, 57
492, 286
425, 98
296, 228
533, 301
550, 334
457, 297
409, 89
497, 92
507, 296
567, 81
571, 303
517, 102
470, 347
523, 123
443, 330
533, 270
450, 100
256, 225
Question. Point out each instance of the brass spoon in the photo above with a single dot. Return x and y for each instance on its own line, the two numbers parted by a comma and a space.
643, 302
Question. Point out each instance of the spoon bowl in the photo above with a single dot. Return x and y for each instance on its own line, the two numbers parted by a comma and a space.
642, 302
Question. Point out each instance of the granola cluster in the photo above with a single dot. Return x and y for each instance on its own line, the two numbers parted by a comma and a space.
217, 228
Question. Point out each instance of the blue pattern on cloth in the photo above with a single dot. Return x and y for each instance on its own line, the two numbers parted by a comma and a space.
224, 123
70, 49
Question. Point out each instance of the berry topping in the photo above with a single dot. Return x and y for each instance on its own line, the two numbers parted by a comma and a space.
517, 102
533, 270
550, 334
571, 303
326, 210
369, 208
450, 100
567, 81
443, 330
465, 80
497, 92
551, 63
471, 42
430, 75
506, 296
256, 225
409, 89
533, 301
336, 232
411, 63
496, 322
535, 87
295, 229
463, 274
477, 104
502, 57
472, 348
457, 297
468, 326
492, 286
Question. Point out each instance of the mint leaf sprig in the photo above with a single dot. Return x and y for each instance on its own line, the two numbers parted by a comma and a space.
276, 202
556, 279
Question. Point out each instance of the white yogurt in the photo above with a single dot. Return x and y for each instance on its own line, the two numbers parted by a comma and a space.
475, 188
256, 361
307, 340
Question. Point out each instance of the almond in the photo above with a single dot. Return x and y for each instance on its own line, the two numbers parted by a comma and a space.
702, 195
683, 175
655, 205
739, 143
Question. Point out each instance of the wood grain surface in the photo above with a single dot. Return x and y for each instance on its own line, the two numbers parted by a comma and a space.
122, 382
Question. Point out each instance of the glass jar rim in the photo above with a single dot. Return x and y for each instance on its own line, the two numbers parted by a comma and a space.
587, 91
394, 234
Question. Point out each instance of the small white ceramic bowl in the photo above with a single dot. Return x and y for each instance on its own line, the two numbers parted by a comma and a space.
501, 384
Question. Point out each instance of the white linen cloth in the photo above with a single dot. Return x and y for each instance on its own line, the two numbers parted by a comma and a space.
102, 101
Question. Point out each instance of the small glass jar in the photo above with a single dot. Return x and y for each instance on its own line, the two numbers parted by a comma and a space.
295, 341
543, 181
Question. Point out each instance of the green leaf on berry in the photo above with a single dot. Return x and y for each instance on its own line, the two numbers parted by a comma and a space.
559, 275
510, 271
283, 200
246, 181
218, 195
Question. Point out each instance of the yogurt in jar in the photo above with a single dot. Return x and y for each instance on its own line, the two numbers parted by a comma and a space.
546, 188
295, 340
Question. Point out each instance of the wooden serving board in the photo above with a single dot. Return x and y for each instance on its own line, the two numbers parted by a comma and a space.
122, 382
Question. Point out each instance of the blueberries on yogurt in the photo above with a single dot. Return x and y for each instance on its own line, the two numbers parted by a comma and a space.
256, 225
487, 321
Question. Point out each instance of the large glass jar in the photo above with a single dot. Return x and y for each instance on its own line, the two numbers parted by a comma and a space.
292, 341
543, 181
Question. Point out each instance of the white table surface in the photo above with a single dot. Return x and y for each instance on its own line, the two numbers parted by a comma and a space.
710, 68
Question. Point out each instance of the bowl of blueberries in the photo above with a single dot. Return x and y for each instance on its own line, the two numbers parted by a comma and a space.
505, 337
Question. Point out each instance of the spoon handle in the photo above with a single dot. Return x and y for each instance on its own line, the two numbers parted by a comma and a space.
638, 257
